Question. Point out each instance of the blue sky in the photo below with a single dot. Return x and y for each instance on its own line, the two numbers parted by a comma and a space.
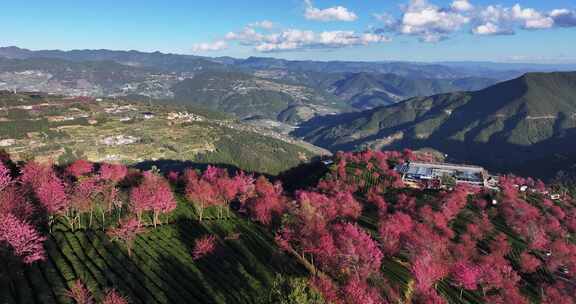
414, 30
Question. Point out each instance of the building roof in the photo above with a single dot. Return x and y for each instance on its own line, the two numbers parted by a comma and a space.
446, 166
434, 170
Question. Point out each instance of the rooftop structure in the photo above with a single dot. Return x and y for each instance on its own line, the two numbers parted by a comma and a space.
148, 115
422, 172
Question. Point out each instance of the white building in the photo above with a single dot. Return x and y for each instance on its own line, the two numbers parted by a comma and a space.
462, 174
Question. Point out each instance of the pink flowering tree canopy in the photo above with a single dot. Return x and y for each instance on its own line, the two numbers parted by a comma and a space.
113, 297
126, 233
22, 238
79, 168
79, 293
203, 247
153, 194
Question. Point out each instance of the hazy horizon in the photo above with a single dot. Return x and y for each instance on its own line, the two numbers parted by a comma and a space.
272, 56
409, 30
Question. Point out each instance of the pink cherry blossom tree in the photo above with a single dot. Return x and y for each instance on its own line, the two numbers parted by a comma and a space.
227, 190
126, 233
14, 201
246, 187
356, 251
466, 275
42, 181
79, 293
204, 246
80, 168
153, 194
113, 172
201, 192
5, 177
22, 238
268, 203
113, 297
529, 263
82, 199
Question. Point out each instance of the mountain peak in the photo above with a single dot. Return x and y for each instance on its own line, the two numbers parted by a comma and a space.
14, 52
509, 122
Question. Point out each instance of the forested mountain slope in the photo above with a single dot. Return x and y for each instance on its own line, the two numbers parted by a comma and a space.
512, 121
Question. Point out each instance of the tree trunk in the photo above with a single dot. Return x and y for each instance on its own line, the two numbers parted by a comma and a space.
201, 211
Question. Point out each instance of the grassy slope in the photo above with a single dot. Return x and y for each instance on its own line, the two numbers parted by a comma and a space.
254, 152
161, 269
215, 90
203, 142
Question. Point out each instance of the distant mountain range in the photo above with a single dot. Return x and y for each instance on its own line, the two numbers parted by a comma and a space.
289, 91
490, 113
157, 60
357, 85
507, 124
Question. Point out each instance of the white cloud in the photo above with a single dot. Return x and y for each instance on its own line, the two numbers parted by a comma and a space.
210, 47
564, 17
493, 14
248, 35
368, 38
559, 12
462, 6
498, 20
337, 13
296, 39
531, 18
430, 22
264, 24
490, 28
419, 18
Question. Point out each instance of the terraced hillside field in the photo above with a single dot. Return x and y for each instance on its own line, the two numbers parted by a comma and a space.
161, 268
64, 129
357, 235
501, 127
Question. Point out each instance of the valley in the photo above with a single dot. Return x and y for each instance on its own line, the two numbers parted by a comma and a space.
63, 129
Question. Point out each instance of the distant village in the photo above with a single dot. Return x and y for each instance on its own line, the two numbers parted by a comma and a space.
64, 113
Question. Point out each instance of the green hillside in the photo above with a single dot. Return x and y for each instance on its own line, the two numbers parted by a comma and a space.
364, 90
514, 121
63, 129
245, 95
161, 268
271, 244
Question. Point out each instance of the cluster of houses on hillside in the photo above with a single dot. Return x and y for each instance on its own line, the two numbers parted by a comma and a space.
184, 117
